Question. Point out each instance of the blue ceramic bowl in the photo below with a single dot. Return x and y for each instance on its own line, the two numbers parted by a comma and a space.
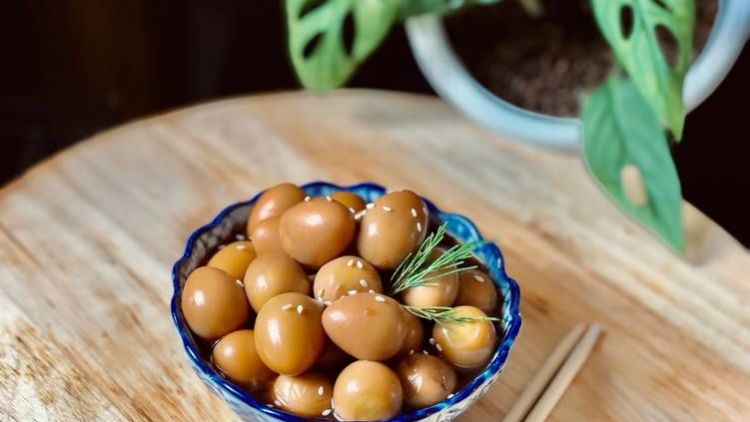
219, 231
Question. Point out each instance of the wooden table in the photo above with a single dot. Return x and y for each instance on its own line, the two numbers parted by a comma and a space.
87, 240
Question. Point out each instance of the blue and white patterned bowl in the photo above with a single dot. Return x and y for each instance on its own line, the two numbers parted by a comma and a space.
219, 231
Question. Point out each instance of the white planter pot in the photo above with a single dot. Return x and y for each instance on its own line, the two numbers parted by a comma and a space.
448, 77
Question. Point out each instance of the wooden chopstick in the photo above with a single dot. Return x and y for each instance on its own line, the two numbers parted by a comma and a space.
544, 374
555, 375
565, 375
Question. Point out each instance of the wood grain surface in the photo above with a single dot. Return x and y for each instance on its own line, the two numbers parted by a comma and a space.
87, 240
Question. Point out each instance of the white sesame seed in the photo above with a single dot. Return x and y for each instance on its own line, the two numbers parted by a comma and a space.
352, 292
277, 403
239, 283
380, 298
271, 405
411, 352
327, 303
239, 236
414, 213
321, 390
387, 209
432, 341
419, 226
451, 395
479, 278
326, 412
351, 210
360, 265
300, 308
358, 216
363, 283
241, 247
439, 347
371, 291
286, 307
425, 352
370, 206
350, 263
307, 198
328, 198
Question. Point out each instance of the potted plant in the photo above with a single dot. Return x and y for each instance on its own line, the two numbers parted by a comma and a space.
626, 123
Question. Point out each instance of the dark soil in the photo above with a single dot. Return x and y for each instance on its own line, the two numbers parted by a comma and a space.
544, 64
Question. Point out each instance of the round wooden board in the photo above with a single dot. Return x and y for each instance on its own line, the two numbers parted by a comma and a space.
87, 240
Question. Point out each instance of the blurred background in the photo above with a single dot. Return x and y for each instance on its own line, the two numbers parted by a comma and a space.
73, 68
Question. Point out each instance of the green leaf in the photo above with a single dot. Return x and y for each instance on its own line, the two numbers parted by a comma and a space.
316, 37
640, 54
620, 130
411, 8
316, 33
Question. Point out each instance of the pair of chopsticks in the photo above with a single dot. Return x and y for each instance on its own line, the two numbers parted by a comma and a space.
555, 375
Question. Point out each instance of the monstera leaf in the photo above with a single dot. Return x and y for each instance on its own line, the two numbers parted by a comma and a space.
635, 42
626, 150
317, 43
318, 46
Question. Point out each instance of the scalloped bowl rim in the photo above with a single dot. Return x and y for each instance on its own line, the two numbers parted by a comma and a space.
494, 367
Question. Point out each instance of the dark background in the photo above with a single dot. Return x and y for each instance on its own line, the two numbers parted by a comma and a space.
72, 68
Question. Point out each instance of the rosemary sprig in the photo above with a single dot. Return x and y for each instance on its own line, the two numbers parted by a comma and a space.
417, 270
443, 315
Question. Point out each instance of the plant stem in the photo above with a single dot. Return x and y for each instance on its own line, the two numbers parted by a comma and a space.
533, 8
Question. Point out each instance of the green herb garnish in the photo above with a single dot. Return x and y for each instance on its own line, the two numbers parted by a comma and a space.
443, 315
418, 269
